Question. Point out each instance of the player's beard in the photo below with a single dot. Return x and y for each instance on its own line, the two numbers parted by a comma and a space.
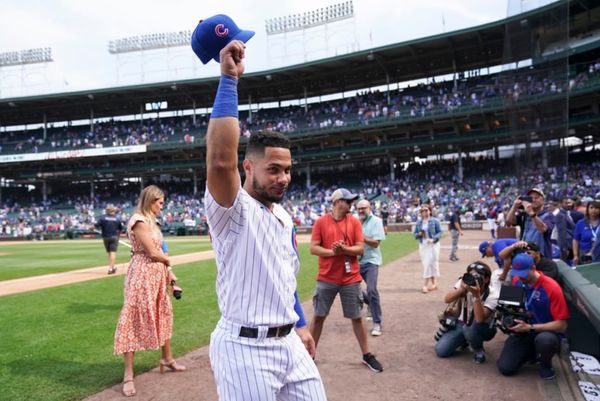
264, 194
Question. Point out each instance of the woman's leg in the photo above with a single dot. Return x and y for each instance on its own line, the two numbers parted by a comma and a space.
128, 385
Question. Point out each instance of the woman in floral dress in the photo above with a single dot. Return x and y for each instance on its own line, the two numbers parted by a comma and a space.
146, 320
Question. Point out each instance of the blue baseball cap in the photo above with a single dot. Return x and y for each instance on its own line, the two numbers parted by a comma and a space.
483, 248
522, 264
212, 35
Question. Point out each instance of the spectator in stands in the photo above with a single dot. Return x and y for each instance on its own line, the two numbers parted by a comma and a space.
539, 338
146, 319
428, 232
585, 235
110, 228
539, 223
454, 226
542, 264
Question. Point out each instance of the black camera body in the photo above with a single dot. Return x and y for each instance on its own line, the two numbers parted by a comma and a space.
511, 306
526, 199
471, 278
447, 322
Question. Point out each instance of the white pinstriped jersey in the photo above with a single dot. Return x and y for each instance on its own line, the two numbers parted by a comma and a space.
256, 261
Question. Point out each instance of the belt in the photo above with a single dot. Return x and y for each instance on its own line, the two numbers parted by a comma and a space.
252, 332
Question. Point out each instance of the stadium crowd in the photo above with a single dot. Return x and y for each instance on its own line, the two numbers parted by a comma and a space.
487, 188
418, 101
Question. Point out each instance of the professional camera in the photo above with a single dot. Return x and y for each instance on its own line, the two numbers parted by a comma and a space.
447, 322
511, 306
471, 278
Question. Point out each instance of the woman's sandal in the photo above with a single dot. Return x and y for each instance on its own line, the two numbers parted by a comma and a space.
173, 365
128, 388
112, 270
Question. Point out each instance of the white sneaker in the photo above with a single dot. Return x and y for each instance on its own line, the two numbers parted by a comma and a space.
376, 330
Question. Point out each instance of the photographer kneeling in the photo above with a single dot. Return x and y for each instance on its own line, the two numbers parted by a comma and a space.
538, 335
475, 321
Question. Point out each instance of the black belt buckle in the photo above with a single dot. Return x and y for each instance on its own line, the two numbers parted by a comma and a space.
252, 332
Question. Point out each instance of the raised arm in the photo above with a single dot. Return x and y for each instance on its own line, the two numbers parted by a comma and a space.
223, 135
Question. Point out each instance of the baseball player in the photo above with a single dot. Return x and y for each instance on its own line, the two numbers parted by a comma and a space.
261, 348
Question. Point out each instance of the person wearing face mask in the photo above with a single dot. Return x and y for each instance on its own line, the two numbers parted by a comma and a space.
373, 233
337, 239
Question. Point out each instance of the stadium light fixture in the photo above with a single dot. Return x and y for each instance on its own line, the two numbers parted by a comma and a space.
149, 42
309, 19
27, 56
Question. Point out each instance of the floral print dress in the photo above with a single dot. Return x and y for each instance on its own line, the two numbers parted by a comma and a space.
146, 320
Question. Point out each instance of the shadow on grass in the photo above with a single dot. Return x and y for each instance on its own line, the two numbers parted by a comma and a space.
90, 308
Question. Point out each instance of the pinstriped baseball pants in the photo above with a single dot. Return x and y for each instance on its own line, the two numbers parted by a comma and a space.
262, 369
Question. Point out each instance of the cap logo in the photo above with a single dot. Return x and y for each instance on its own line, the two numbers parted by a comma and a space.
221, 31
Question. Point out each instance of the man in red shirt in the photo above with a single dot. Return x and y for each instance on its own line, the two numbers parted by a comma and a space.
337, 240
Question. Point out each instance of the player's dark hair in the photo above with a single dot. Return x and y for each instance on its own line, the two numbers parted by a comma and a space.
261, 140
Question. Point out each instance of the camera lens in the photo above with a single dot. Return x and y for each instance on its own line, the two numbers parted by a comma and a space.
468, 279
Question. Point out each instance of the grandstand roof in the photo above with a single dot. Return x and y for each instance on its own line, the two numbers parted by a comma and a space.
469, 49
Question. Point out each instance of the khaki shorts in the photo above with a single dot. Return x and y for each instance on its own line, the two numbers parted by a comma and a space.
350, 295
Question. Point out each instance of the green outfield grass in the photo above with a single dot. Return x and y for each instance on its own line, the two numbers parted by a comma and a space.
57, 343
35, 258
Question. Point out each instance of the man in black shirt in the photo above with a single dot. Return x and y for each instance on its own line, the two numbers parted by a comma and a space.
455, 232
111, 227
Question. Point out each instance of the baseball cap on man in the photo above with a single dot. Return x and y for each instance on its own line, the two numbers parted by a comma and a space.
521, 265
483, 248
342, 193
537, 191
212, 35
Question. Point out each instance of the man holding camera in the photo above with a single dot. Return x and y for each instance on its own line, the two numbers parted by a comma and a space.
540, 335
475, 322
538, 224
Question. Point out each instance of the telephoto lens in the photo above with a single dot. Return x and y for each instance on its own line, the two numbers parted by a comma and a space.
440, 332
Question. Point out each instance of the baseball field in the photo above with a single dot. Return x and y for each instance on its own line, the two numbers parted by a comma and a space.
57, 342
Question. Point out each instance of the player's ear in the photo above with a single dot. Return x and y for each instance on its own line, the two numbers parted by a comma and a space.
247, 166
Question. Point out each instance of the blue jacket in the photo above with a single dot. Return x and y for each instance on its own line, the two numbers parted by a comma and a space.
434, 230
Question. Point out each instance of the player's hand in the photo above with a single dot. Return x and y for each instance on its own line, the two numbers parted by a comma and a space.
231, 58
307, 340
502, 277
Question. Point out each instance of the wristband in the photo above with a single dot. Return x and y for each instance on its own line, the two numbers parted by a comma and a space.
298, 308
226, 100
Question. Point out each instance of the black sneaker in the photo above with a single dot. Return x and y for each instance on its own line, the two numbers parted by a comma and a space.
372, 363
547, 372
479, 356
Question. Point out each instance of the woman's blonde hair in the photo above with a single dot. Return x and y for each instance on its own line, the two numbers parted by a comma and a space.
149, 195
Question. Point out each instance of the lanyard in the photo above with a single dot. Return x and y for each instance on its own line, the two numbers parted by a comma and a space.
594, 232
344, 234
